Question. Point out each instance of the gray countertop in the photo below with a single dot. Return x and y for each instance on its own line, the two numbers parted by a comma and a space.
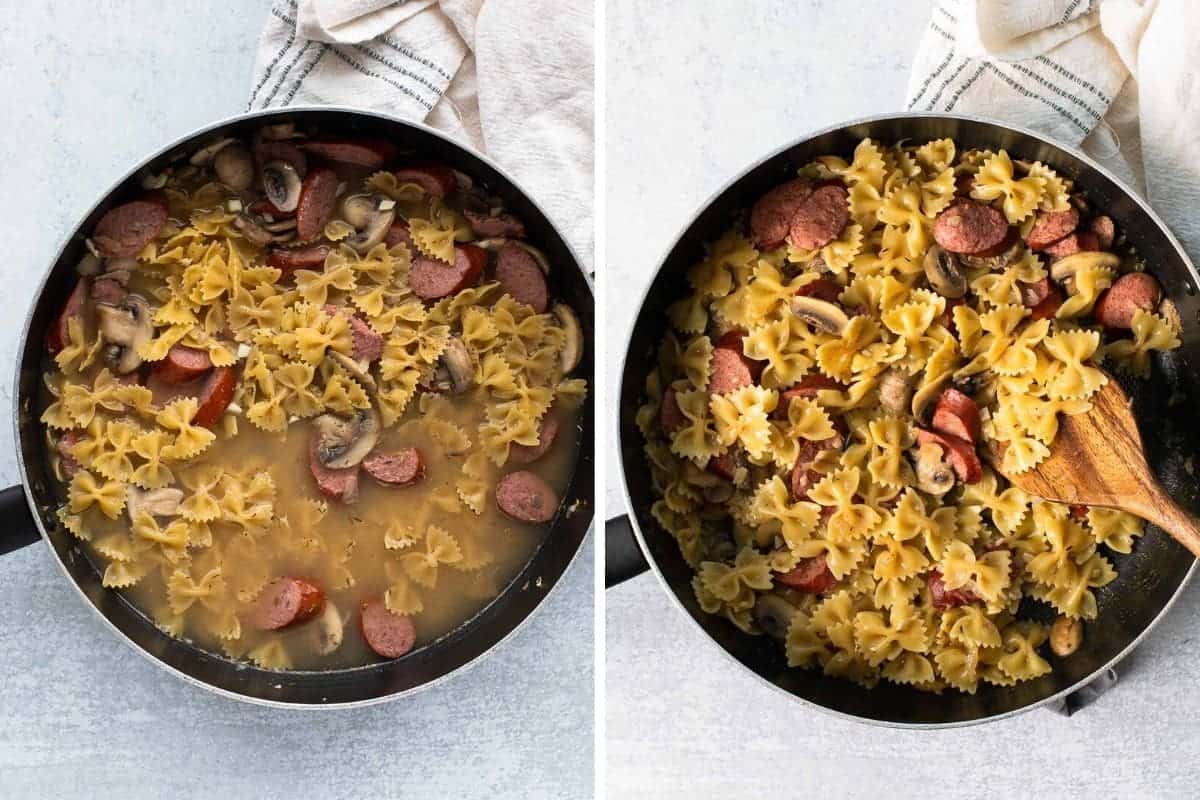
693, 96
88, 89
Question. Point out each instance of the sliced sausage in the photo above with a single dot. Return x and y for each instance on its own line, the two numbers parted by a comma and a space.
822, 289
367, 342
943, 598
318, 198
389, 635
107, 290
1048, 308
182, 365
1079, 512
267, 150
526, 497
1105, 231
811, 576
437, 180
729, 370
1117, 304
336, 484
723, 466
290, 259
969, 227
527, 454
521, 277
402, 467
803, 476
67, 462
215, 396
771, 216
1050, 226
1034, 293
125, 230
398, 233
76, 304
432, 280
369, 153
670, 415
956, 414
495, 225
1077, 242
287, 601
820, 217
959, 452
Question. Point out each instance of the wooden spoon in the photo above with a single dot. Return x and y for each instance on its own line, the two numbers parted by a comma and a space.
1097, 460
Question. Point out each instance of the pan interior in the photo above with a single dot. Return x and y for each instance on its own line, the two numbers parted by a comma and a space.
342, 686
1148, 579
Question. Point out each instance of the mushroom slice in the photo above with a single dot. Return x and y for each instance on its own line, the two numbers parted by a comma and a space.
572, 352
235, 167
718, 493
943, 273
358, 209
343, 442
282, 226
1066, 267
205, 155
926, 396
155, 502
934, 475
255, 234
328, 630
374, 233
357, 370
821, 314
125, 326
90, 264
895, 390
774, 615
281, 183
456, 360
993, 263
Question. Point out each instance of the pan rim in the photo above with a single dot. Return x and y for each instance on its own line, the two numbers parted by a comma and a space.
625, 359
23, 341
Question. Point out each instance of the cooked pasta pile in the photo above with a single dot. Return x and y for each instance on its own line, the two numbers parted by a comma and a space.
815, 500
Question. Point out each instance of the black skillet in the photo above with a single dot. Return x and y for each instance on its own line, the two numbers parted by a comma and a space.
1148, 581
28, 508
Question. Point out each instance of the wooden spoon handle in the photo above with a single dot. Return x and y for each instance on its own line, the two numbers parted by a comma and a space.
1156, 506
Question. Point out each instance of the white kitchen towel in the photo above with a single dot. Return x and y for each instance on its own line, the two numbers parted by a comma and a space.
1117, 77
513, 78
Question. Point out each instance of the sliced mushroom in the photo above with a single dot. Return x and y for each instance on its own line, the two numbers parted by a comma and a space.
718, 493
1066, 635
90, 264
927, 395
821, 314
344, 442
455, 370
1066, 267
357, 370
373, 233
281, 183
358, 209
996, 262
282, 226
572, 352
774, 615
205, 155
934, 475
895, 391
943, 272
125, 326
328, 630
255, 234
155, 502
235, 167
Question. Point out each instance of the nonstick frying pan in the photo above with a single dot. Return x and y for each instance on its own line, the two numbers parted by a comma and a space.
28, 509
1148, 580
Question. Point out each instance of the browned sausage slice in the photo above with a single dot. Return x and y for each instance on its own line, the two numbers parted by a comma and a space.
436, 179
432, 280
810, 386
947, 598
526, 497
771, 216
1077, 242
526, 454
803, 476
969, 227
811, 576
822, 289
287, 601
1051, 226
182, 365
66, 461
367, 342
107, 290
671, 416
318, 196
56, 334
290, 259
956, 414
1105, 231
820, 217
336, 484
521, 277
398, 233
402, 467
723, 466
959, 452
389, 635
495, 225
215, 396
1130, 292
369, 153
126, 229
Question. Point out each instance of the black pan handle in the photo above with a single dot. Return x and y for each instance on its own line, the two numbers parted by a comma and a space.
623, 559
17, 528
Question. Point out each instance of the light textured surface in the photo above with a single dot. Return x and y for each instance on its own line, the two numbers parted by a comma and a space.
88, 89
693, 97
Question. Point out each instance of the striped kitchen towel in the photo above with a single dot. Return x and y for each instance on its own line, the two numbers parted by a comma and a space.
512, 78
1116, 77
